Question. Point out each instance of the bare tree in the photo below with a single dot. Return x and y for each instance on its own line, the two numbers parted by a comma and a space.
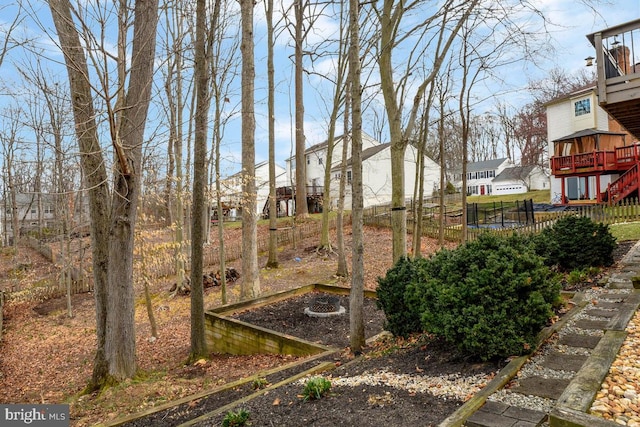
9, 142
446, 23
199, 208
224, 66
302, 210
251, 279
272, 262
112, 220
176, 93
356, 295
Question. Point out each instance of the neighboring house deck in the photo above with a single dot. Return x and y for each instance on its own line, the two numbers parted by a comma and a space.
596, 159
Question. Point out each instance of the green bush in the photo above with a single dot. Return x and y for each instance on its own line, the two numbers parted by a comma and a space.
490, 297
316, 388
575, 243
392, 298
236, 419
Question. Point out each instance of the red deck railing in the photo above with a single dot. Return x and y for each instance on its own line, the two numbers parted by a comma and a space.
624, 185
619, 160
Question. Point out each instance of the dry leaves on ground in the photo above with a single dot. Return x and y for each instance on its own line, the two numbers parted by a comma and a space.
46, 357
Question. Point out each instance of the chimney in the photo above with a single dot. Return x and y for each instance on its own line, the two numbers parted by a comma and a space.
622, 57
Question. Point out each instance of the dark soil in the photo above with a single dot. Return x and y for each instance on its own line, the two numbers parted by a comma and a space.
288, 317
350, 406
363, 406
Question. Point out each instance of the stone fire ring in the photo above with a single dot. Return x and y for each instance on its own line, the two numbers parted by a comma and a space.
324, 306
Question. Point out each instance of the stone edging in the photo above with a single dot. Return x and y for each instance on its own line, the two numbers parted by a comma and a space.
572, 407
507, 373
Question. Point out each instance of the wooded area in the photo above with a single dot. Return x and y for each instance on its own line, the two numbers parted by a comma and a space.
154, 89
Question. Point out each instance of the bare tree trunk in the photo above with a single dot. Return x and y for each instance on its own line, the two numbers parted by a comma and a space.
441, 208
251, 280
145, 281
95, 173
198, 342
302, 210
356, 295
113, 234
343, 270
120, 344
272, 262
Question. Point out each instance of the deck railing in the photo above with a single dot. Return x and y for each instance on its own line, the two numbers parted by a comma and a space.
596, 161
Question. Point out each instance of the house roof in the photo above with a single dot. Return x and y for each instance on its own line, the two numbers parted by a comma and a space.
325, 143
587, 132
485, 165
580, 91
516, 172
369, 152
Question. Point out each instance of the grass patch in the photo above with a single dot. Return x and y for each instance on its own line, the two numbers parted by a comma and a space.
539, 196
625, 231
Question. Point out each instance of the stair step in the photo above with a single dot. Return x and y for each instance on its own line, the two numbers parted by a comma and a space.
549, 388
497, 414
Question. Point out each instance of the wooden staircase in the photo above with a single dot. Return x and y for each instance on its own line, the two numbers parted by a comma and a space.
622, 187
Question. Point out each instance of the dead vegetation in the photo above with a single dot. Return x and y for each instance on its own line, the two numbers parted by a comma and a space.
46, 356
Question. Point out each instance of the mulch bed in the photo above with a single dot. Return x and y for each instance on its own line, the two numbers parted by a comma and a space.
371, 405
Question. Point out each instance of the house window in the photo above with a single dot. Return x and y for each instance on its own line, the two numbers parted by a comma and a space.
33, 210
482, 174
48, 209
582, 107
319, 160
348, 177
491, 174
308, 160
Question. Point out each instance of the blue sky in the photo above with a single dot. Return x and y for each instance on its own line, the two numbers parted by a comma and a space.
571, 21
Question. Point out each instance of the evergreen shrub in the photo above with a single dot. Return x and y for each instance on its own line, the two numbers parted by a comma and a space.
392, 298
575, 243
489, 297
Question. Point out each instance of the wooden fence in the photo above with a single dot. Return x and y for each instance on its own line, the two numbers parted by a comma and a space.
163, 265
626, 211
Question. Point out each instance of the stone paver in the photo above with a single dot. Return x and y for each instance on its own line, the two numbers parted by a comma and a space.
579, 340
549, 388
564, 362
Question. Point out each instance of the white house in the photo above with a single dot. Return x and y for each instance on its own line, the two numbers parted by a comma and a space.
480, 175
501, 176
520, 179
376, 176
34, 211
316, 159
232, 188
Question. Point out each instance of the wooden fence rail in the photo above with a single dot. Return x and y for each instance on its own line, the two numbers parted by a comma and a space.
164, 264
625, 211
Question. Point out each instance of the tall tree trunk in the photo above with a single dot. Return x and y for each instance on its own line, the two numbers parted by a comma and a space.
94, 171
302, 210
120, 345
251, 280
272, 262
113, 234
356, 295
343, 270
338, 96
198, 343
